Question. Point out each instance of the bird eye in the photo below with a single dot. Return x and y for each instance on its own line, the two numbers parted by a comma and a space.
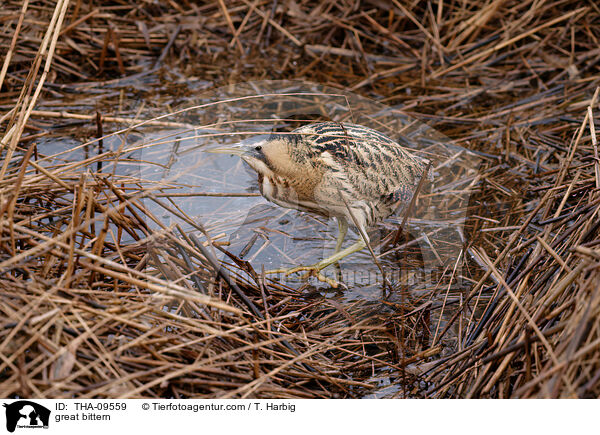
258, 148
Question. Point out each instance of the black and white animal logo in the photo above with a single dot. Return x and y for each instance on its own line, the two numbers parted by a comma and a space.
26, 414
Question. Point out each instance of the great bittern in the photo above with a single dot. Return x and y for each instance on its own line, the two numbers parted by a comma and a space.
353, 173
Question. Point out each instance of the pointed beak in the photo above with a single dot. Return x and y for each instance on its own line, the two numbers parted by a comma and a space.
250, 148
239, 149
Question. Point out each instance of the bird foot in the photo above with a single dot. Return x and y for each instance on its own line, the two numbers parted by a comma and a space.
313, 270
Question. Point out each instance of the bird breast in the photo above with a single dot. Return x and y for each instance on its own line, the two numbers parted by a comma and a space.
289, 193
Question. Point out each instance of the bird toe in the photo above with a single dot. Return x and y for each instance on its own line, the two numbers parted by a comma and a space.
313, 270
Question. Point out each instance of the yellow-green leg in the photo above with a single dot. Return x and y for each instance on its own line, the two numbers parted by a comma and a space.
357, 246
339, 253
342, 231
316, 269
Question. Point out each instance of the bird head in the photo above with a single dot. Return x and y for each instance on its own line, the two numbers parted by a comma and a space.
263, 153
252, 151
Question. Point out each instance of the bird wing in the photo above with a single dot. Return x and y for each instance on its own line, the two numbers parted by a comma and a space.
368, 165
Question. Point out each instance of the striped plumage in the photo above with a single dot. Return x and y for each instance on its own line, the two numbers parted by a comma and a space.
347, 171
374, 173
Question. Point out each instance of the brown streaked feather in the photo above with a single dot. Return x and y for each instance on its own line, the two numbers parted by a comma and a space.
365, 164
322, 160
